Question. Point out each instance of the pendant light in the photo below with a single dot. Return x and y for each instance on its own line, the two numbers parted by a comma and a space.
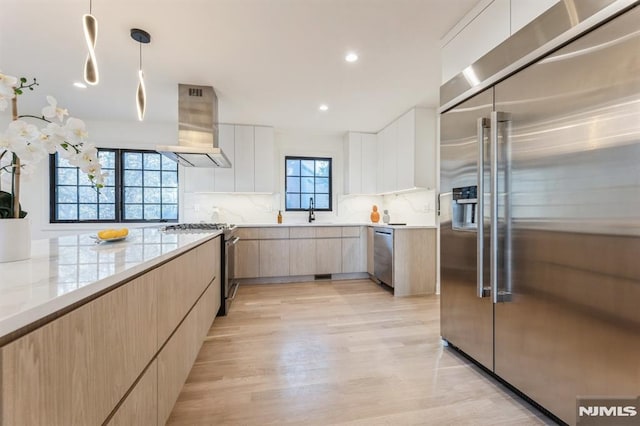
90, 26
140, 36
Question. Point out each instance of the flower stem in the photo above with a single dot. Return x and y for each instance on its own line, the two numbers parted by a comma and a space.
15, 175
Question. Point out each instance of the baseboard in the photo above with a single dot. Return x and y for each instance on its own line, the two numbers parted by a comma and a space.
304, 278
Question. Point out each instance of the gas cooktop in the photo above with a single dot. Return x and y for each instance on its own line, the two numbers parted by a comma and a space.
197, 227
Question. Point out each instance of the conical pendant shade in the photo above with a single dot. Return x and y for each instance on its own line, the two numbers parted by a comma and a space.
90, 25
141, 96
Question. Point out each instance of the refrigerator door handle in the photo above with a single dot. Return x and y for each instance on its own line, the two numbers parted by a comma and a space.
500, 153
483, 126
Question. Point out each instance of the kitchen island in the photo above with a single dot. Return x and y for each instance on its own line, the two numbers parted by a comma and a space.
104, 333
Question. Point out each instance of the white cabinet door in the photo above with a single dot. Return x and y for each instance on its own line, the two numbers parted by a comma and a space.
379, 159
264, 159
353, 177
405, 149
244, 159
390, 158
369, 163
199, 179
224, 178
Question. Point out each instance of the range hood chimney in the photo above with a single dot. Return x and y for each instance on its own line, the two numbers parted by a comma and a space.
197, 129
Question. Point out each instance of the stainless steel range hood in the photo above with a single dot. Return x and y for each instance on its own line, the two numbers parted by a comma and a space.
197, 129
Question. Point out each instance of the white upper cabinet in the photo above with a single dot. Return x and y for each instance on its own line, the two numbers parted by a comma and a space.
361, 163
251, 151
369, 162
244, 167
264, 159
390, 158
486, 26
406, 150
224, 178
401, 156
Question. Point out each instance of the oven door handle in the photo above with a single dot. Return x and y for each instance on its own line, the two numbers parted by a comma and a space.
235, 290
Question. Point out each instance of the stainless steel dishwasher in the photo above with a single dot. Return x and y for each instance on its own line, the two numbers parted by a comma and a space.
383, 255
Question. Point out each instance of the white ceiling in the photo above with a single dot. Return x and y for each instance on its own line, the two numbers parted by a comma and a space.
271, 62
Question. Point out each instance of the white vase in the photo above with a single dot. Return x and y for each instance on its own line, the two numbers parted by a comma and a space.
15, 240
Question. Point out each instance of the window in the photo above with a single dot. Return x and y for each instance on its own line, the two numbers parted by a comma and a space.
141, 186
307, 178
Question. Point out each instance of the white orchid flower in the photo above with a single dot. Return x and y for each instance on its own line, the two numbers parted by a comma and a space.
20, 129
30, 153
53, 110
7, 85
75, 131
53, 135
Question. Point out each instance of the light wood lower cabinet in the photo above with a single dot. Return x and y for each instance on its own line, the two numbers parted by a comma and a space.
174, 297
75, 369
302, 257
351, 255
328, 255
295, 251
274, 258
178, 355
247, 260
414, 262
141, 405
370, 270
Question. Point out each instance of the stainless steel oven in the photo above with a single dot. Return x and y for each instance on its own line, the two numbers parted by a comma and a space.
229, 283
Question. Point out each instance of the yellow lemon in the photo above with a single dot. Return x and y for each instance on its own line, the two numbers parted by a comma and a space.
106, 234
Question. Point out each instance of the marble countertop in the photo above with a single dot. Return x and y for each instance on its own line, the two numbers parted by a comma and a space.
290, 225
65, 270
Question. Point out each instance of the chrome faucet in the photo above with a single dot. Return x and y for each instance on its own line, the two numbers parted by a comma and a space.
312, 215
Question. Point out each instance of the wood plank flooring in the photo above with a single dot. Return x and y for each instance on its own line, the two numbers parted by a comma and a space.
338, 352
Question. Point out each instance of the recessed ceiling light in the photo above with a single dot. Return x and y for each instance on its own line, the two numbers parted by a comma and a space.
323, 107
351, 57
80, 85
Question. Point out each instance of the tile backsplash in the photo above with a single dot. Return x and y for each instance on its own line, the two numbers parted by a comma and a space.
415, 207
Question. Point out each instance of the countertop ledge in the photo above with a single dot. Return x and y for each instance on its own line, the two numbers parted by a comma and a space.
68, 270
294, 225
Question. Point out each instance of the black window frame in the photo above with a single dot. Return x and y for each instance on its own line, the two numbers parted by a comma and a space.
118, 191
296, 157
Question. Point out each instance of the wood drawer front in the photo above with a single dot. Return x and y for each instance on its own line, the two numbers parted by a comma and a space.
74, 370
351, 231
328, 232
274, 233
141, 405
178, 355
302, 232
208, 260
178, 289
248, 233
274, 258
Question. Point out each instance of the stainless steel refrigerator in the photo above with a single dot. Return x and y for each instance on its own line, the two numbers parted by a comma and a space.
540, 219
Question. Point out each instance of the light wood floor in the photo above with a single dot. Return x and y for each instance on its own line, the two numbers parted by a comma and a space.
337, 352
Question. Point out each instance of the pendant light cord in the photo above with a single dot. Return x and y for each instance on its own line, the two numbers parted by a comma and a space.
90, 6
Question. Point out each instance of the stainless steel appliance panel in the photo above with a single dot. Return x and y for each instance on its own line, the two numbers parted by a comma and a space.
572, 325
383, 255
466, 319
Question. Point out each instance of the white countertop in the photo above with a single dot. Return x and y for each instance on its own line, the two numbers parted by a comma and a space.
66, 270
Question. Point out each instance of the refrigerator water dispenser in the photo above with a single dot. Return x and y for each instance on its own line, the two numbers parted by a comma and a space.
464, 208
